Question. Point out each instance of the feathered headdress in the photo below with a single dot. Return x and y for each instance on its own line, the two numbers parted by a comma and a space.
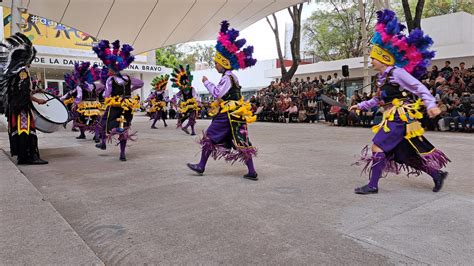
104, 74
53, 91
181, 77
16, 52
392, 47
228, 53
70, 80
85, 73
159, 83
82, 73
113, 57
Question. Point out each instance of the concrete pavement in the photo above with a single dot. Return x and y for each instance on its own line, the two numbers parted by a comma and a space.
152, 209
32, 232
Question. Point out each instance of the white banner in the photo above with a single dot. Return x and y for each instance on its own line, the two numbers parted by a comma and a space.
64, 62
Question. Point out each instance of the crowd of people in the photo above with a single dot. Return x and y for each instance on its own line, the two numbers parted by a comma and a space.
300, 101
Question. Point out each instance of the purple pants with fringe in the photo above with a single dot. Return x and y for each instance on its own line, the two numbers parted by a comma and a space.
218, 141
401, 154
219, 132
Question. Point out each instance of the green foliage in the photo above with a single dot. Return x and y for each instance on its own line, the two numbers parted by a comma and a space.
167, 57
335, 33
443, 7
434, 8
185, 54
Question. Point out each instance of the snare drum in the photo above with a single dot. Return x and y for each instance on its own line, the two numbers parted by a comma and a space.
51, 115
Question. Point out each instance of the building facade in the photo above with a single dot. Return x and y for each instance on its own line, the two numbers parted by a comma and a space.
60, 47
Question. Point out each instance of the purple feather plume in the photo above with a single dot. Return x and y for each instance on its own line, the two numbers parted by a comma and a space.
224, 26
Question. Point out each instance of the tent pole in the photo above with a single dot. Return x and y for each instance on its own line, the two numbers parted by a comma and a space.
16, 17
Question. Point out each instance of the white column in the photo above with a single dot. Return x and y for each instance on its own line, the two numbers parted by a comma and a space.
2, 33
16, 17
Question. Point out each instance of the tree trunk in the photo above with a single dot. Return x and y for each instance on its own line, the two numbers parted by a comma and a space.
413, 23
418, 13
278, 46
408, 17
295, 14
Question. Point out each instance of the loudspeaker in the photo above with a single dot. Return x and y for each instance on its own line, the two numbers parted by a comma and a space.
345, 71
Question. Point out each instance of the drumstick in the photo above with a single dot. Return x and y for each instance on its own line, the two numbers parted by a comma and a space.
49, 99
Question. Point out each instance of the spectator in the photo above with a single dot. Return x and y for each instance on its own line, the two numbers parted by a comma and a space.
336, 81
329, 81
456, 115
321, 80
300, 101
355, 98
302, 115
457, 81
447, 70
463, 70
291, 112
434, 72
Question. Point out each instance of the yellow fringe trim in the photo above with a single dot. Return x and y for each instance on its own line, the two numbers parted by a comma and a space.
408, 113
68, 101
157, 105
126, 104
241, 109
89, 108
88, 104
102, 107
190, 104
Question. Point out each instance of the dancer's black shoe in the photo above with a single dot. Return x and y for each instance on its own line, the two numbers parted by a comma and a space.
196, 168
439, 181
366, 190
36, 161
251, 176
101, 146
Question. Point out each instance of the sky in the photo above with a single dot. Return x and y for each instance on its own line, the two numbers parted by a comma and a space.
261, 36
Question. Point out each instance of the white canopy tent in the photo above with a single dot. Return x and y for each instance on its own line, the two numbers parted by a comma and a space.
150, 24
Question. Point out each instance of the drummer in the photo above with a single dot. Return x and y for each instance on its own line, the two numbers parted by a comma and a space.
21, 125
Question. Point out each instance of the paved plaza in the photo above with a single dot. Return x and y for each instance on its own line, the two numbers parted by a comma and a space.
87, 207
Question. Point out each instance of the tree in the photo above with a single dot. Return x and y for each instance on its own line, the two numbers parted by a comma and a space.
437, 8
336, 33
278, 45
167, 56
413, 23
443, 7
295, 14
198, 53
185, 54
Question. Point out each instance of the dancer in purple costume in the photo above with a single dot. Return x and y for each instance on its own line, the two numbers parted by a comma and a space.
86, 99
68, 99
156, 101
399, 142
120, 104
227, 136
99, 89
189, 100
